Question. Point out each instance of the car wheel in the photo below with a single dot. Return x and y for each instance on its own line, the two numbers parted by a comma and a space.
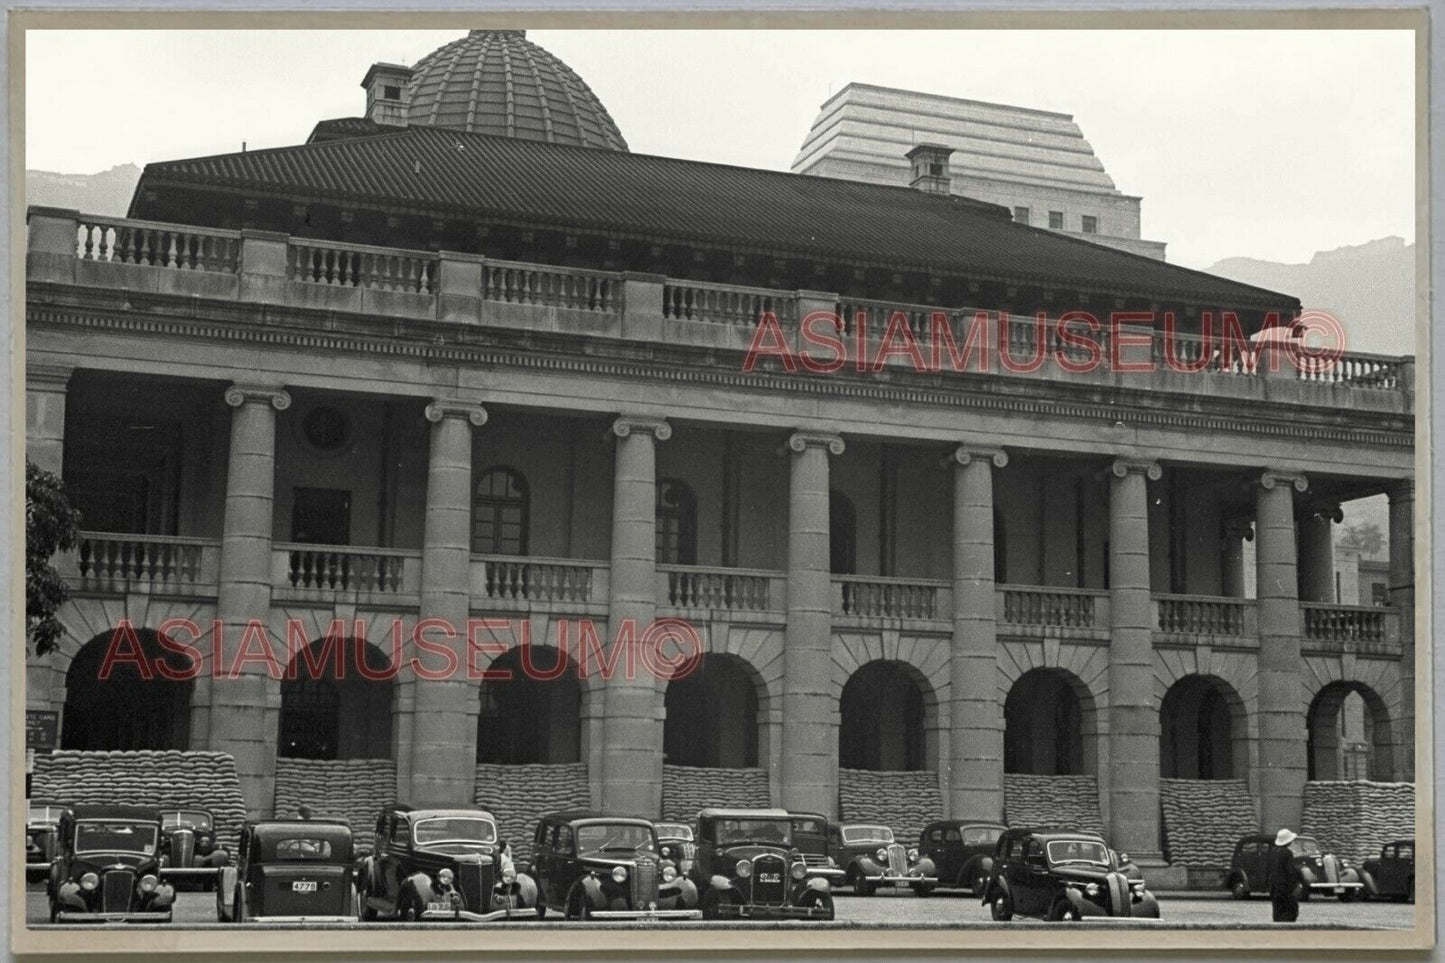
861, 886
1239, 889
1064, 912
825, 903
1001, 909
541, 909
922, 889
238, 908
709, 904
411, 907
1348, 896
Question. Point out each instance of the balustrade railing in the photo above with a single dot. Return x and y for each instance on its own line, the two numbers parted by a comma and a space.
521, 578
716, 588
1041, 605
725, 303
161, 560
343, 568
180, 248
357, 266
1345, 623
1200, 615
582, 290
887, 597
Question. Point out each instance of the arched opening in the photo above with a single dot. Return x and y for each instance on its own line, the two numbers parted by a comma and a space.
1049, 725
712, 715
133, 706
500, 513
1202, 731
330, 709
883, 724
842, 534
676, 523
1350, 734
535, 716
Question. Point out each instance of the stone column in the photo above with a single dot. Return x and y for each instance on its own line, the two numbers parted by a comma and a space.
1402, 599
1317, 552
810, 735
443, 761
45, 387
1236, 533
976, 716
1282, 730
237, 714
632, 728
1133, 811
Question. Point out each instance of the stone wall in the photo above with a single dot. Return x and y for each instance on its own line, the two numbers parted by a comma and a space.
1204, 818
1067, 801
903, 801
203, 780
686, 789
351, 789
1355, 819
520, 795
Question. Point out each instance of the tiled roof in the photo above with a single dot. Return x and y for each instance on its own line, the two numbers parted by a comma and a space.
527, 182
342, 127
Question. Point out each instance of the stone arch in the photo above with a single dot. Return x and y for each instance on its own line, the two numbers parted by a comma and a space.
535, 714
1051, 724
1085, 671
336, 701
1203, 730
1334, 751
1324, 683
883, 714
121, 693
715, 715
920, 660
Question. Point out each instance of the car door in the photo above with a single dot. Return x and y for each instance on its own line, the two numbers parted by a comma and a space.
542, 859
1033, 891
391, 862
931, 845
953, 855
565, 868
1259, 866
1402, 864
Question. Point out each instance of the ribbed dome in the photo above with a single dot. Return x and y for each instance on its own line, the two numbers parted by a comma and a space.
499, 82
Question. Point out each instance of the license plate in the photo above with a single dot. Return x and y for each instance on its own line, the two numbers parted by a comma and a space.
770, 878
303, 886
441, 905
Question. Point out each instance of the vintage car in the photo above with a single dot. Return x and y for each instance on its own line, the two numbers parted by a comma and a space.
591, 865
1324, 873
106, 868
1062, 874
871, 857
961, 851
812, 836
42, 835
748, 868
441, 864
289, 871
188, 846
1392, 876
676, 844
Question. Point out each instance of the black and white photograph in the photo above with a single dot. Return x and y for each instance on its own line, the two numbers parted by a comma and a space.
528, 483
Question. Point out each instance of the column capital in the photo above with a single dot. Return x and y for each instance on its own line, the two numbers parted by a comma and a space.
964, 454
1271, 478
48, 377
627, 424
1122, 467
801, 441
238, 395
441, 409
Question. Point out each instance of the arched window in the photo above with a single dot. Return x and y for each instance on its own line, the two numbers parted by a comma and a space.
842, 534
309, 719
500, 513
676, 523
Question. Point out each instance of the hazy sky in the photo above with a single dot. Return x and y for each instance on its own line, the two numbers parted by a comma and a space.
1268, 144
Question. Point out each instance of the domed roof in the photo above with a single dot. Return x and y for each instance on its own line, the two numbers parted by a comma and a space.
499, 82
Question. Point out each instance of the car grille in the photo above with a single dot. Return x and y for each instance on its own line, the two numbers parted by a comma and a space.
644, 884
1332, 869
475, 880
769, 865
897, 860
116, 891
183, 848
815, 859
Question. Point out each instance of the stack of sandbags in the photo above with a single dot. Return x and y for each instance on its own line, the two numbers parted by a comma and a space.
903, 801
1355, 819
1065, 801
354, 790
161, 778
520, 795
1204, 818
687, 789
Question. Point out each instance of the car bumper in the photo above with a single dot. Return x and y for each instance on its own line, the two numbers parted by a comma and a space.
1335, 888
467, 916
887, 879
750, 912
36, 867
834, 876
71, 916
301, 919
188, 872
673, 914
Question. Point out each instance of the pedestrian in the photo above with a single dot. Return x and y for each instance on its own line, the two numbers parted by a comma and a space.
1285, 879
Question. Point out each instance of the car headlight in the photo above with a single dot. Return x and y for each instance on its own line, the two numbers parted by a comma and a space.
668, 873
444, 876
799, 870
148, 883
913, 855
619, 874
510, 873
1092, 890
882, 855
744, 868
89, 881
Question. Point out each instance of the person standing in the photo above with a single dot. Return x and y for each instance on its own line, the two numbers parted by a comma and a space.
1285, 879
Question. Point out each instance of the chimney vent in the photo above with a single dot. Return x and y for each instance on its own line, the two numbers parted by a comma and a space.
386, 93
930, 168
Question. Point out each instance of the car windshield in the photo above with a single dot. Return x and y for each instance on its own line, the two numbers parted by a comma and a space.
774, 832
115, 836
455, 829
1305, 846
867, 834
1065, 851
185, 819
614, 838
674, 831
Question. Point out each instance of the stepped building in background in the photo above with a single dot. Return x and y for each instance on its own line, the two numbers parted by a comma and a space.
466, 357
1036, 163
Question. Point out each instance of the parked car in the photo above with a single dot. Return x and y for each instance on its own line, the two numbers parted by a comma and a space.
591, 865
870, 857
961, 851
813, 836
106, 868
1392, 876
1324, 873
42, 836
748, 868
441, 864
1062, 874
289, 870
676, 844
188, 846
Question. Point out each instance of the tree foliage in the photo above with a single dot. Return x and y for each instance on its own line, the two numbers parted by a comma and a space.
50, 527
1364, 537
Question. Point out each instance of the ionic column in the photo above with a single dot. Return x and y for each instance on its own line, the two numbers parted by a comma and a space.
1282, 732
632, 728
238, 715
1317, 552
1133, 717
443, 762
1402, 599
45, 387
810, 735
976, 737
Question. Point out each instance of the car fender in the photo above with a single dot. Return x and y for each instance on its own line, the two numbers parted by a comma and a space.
1371, 889
867, 866
996, 887
526, 890
686, 892
419, 883
818, 883
975, 866
721, 883
1147, 907
1349, 876
68, 894
1236, 876
225, 890
591, 888
925, 866
164, 895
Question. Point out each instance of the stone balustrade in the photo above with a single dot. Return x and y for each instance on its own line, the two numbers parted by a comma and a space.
873, 597
175, 247
310, 569
1358, 629
362, 266
1203, 615
512, 282
107, 562
1052, 607
515, 582
725, 303
720, 589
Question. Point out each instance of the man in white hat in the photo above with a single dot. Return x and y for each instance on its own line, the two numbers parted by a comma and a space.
1285, 879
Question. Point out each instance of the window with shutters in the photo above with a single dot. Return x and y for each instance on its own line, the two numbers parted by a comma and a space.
500, 513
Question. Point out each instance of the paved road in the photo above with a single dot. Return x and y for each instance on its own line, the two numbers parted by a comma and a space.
960, 908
